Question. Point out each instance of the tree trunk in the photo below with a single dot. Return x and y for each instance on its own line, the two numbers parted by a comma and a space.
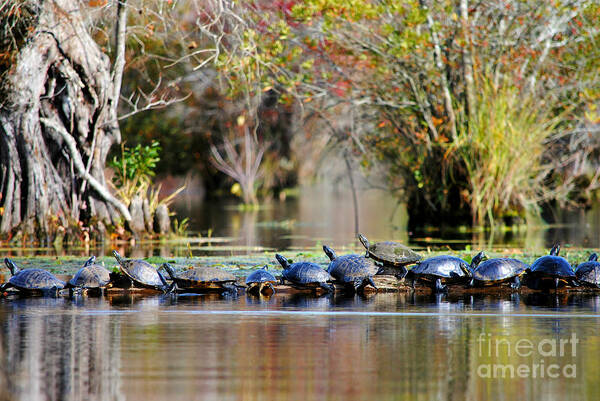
468, 60
57, 124
437, 53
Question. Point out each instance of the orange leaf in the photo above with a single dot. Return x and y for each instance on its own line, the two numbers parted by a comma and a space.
97, 3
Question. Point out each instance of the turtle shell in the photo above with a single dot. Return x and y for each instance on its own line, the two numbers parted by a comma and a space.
141, 272
552, 266
349, 268
443, 267
260, 276
393, 253
204, 278
306, 273
589, 272
499, 269
92, 276
35, 279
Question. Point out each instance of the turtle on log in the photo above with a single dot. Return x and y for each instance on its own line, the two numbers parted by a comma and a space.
305, 274
91, 277
32, 281
142, 273
261, 281
551, 271
442, 270
353, 271
389, 253
202, 279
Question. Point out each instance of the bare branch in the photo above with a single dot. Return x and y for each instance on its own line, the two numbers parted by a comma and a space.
119, 66
79, 166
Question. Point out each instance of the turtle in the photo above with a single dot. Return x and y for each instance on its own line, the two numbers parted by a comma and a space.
441, 270
354, 271
305, 274
91, 276
202, 279
260, 280
588, 273
32, 280
389, 253
141, 273
551, 267
497, 271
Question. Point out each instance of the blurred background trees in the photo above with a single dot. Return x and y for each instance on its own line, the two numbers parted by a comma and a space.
468, 111
475, 110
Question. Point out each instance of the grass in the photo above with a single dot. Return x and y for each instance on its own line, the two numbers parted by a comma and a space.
502, 149
180, 228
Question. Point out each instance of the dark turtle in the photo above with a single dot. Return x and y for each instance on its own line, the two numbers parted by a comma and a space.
305, 274
32, 280
354, 271
259, 280
202, 279
551, 268
497, 271
389, 252
588, 273
440, 270
141, 273
91, 276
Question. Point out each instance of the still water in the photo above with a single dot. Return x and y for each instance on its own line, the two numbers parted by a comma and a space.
325, 214
386, 347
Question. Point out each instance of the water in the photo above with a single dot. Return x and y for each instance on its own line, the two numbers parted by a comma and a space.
297, 347
325, 214
388, 346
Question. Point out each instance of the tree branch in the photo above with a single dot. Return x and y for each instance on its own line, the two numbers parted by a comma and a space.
78, 163
120, 58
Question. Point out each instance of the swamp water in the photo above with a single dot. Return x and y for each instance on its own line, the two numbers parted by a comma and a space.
299, 347
291, 347
324, 215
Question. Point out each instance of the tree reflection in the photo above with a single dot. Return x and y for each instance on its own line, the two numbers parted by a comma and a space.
288, 347
52, 352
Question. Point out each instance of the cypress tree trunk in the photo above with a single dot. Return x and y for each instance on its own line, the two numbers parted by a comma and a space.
57, 124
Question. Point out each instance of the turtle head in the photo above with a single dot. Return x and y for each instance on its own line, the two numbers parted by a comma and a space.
364, 241
555, 249
282, 261
593, 258
118, 257
477, 260
266, 267
11, 266
90, 261
169, 269
329, 252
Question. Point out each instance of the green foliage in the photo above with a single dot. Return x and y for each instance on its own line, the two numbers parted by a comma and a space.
502, 148
180, 228
134, 169
405, 64
397, 69
139, 161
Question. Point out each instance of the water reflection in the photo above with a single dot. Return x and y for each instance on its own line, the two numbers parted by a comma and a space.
324, 214
319, 214
50, 351
387, 346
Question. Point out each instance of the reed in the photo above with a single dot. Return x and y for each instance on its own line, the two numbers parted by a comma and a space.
502, 149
